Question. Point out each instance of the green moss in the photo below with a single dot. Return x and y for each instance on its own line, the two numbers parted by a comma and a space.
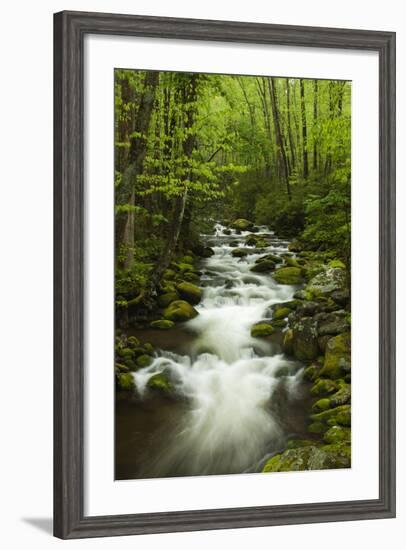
311, 373
296, 443
281, 313
344, 418
149, 348
191, 277
338, 356
189, 292
261, 243
262, 329
242, 224
323, 387
280, 323
179, 311
336, 263
125, 352
125, 381
263, 267
330, 416
169, 274
322, 404
187, 260
162, 324
121, 368
144, 361
133, 342
165, 299
240, 252
316, 428
288, 275
337, 434
292, 262
160, 382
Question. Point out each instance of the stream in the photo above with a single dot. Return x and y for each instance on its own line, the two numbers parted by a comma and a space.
240, 397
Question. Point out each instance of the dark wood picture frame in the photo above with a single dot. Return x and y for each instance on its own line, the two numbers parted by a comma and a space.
69, 31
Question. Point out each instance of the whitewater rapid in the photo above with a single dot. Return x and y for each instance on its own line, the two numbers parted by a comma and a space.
229, 378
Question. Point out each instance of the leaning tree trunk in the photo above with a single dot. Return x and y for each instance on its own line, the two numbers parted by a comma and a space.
188, 95
138, 148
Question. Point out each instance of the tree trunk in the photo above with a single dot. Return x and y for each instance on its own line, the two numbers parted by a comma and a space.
304, 130
138, 148
188, 95
290, 133
279, 137
315, 117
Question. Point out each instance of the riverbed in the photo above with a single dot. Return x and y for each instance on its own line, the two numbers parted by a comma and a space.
238, 398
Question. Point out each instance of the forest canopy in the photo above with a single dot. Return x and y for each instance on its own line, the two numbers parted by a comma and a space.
192, 149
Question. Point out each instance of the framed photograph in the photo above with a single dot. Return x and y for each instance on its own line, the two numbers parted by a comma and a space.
224, 275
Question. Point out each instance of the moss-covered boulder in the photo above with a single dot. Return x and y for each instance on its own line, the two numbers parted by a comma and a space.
331, 417
272, 257
279, 323
337, 434
337, 361
317, 428
322, 404
169, 274
180, 311
165, 299
143, 361
280, 313
327, 281
342, 396
125, 381
240, 252
242, 224
261, 243
292, 262
160, 382
189, 292
263, 267
251, 240
187, 260
133, 342
309, 457
323, 386
121, 368
311, 373
149, 348
305, 345
125, 352
262, 329
162, 324
191, 276
288, 275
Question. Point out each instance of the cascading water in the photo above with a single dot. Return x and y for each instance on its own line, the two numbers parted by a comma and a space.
232, 384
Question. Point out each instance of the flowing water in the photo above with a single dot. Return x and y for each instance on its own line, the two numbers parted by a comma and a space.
240, 397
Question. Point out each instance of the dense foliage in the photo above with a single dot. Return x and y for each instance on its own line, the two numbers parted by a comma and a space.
193, 148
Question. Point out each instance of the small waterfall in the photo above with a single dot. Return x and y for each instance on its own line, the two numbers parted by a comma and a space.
229, 378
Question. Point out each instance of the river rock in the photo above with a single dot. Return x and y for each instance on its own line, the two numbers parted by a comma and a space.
332, 324
242, 224
251, 240
180, 311
326, 282
337, 434
240, 252
125, 381
309, 457
262, 329
280, 313
324, 386
165, 299
272, 257
263, 267
160, 382
288, 275
342, 396
143, 361
189, 292
304, 339
337, 360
